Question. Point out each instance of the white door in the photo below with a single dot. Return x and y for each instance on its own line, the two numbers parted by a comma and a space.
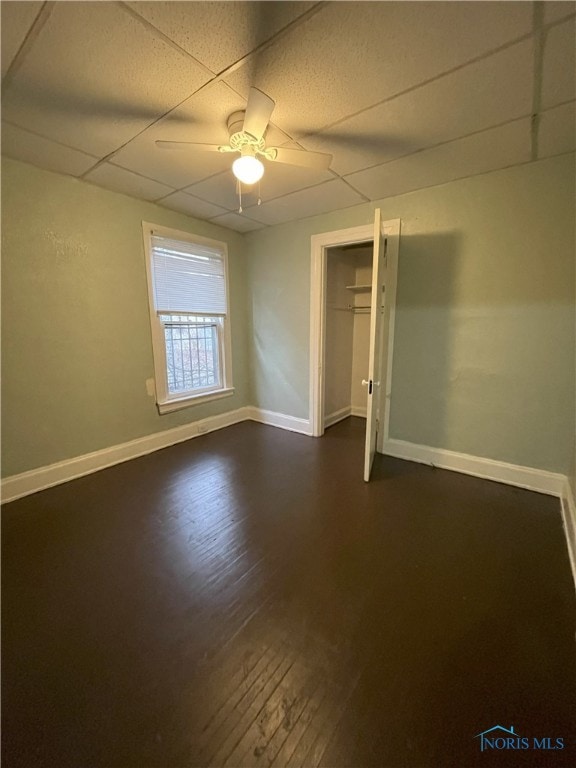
377, 364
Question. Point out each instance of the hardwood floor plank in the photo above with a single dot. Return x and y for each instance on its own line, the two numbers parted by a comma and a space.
292, 708
245, 600
253, 707
300, 727
274, 714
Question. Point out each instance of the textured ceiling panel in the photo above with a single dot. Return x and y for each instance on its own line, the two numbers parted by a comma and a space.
352, 55
96, 76
17, 18
309, 202
202, 118
26, 146
557, 131
238, 222
403, 94
221, 190
557, 10
559, 76
219, 33
480, 95
180, 201
120, 180
278, 180
486, 151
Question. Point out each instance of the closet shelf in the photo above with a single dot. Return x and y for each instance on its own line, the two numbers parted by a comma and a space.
358, 288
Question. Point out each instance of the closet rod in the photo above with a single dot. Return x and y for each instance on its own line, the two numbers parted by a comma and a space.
351, 308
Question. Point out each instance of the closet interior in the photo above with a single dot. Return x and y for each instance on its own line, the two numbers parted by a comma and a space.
348, 293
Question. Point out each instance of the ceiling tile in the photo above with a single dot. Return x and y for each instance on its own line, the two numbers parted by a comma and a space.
30, 148
486, 93
559, 68
219, 33
495, 148
330, 196
353, 55
95, 76
557, 131
120, 180
236, 221
557, 10
222, 190
202, 118
279, 179
394, 83
180, 201
17, 18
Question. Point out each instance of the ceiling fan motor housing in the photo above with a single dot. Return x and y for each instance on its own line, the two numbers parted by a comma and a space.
236, 122
238, 137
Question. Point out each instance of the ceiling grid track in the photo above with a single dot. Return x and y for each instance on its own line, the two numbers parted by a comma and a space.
421, 84
35, 29
164, 38
442, 143
522, 96
539, 37
214, 77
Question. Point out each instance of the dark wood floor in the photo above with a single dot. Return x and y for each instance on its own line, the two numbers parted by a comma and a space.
244, 599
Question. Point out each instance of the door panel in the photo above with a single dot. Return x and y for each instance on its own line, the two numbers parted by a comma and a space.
378, 355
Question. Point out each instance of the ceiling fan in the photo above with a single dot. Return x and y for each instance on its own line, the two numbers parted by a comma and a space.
247, 129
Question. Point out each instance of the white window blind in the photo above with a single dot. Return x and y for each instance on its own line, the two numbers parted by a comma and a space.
188, 277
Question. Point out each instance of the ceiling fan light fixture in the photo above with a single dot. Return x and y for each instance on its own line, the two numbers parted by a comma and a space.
247, 168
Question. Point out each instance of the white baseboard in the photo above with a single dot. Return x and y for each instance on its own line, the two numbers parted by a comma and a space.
16, 486
24, 484
35, 480
511, 474
273, 419
343, 413
336, 416
569, 518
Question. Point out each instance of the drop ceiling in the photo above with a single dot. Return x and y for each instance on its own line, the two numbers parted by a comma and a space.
404, 95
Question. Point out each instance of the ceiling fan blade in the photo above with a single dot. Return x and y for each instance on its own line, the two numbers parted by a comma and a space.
318, 160
258, 113
189, 145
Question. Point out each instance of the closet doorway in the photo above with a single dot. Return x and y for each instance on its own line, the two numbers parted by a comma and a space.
347, 334
353, 298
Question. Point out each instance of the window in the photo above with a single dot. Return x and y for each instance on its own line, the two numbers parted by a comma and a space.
187, 287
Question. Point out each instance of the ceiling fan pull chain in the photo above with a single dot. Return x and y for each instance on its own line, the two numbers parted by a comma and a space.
239, 190
259, 197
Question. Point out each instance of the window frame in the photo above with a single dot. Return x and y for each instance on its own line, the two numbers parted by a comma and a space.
164, 400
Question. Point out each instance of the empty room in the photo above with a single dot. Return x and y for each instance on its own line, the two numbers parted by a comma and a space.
288, 384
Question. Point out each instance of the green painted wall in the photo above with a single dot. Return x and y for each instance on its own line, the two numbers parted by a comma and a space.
76, 346
485, 337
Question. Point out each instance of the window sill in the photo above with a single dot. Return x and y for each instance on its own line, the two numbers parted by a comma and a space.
168, 406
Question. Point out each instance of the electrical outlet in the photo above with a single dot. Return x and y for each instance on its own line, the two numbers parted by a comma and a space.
150, 388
